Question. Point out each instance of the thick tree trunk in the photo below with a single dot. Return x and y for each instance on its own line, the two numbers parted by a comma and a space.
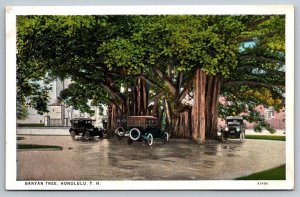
139, 98
142, 98
213, 91
168, 111
114, 115
198, 113
145, 98
215, 102
208, 111
134, 101
182, 128
111, 119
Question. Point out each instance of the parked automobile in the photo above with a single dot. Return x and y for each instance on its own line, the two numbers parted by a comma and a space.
234, 128
85, 127
139, 128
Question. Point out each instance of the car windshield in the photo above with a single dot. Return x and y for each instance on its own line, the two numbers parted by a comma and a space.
89, 122
83, 123
234, 122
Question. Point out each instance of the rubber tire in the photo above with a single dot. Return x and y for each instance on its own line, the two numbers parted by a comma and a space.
223, 138
150, 139
120, 133
164, 138
86, 135
101, 135
104, 132
73, 134
242, 137
134, 138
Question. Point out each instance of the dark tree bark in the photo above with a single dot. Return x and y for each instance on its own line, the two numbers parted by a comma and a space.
112, 114
212, 96
145, 98
142, 98
134, 100
198, 113
183, 126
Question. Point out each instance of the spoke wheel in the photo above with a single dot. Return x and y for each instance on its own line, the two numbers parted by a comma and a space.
165, 137
134, 134
87, 135
223, 138
73, 134
150, 139
101, 135
120, 133
242, 137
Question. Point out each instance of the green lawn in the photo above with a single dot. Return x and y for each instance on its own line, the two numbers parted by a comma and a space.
266, 137
20, 138
37, 146
277, 173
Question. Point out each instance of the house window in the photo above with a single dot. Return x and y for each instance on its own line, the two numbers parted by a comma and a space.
269, 113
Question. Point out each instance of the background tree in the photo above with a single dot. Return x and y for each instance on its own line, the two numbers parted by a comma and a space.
259, 78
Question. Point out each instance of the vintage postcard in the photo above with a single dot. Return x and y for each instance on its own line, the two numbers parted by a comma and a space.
150, 97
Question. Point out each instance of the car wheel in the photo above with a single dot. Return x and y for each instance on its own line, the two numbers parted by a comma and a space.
129, 141
72, 133
242, 137
86, 135
223, 138
165, 137
101, 135
134, 134
149, 139
104, 131
120, 131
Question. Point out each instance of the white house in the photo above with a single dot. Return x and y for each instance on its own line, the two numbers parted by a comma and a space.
59, 114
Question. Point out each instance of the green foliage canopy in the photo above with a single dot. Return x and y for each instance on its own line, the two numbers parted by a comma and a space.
101, 54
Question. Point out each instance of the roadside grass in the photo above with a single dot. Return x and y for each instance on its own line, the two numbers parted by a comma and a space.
277, 173
266, 137
37, 146
20, 138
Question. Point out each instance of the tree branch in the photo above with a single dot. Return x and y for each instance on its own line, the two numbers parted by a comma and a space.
102, 83
167, 81
182, 95
243, 57
254, 37
258, 22
252, 83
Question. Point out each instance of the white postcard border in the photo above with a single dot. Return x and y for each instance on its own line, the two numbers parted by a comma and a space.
11, 168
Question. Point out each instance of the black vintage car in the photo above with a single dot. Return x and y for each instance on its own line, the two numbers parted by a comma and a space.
84, 127
234, 128
139, 128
